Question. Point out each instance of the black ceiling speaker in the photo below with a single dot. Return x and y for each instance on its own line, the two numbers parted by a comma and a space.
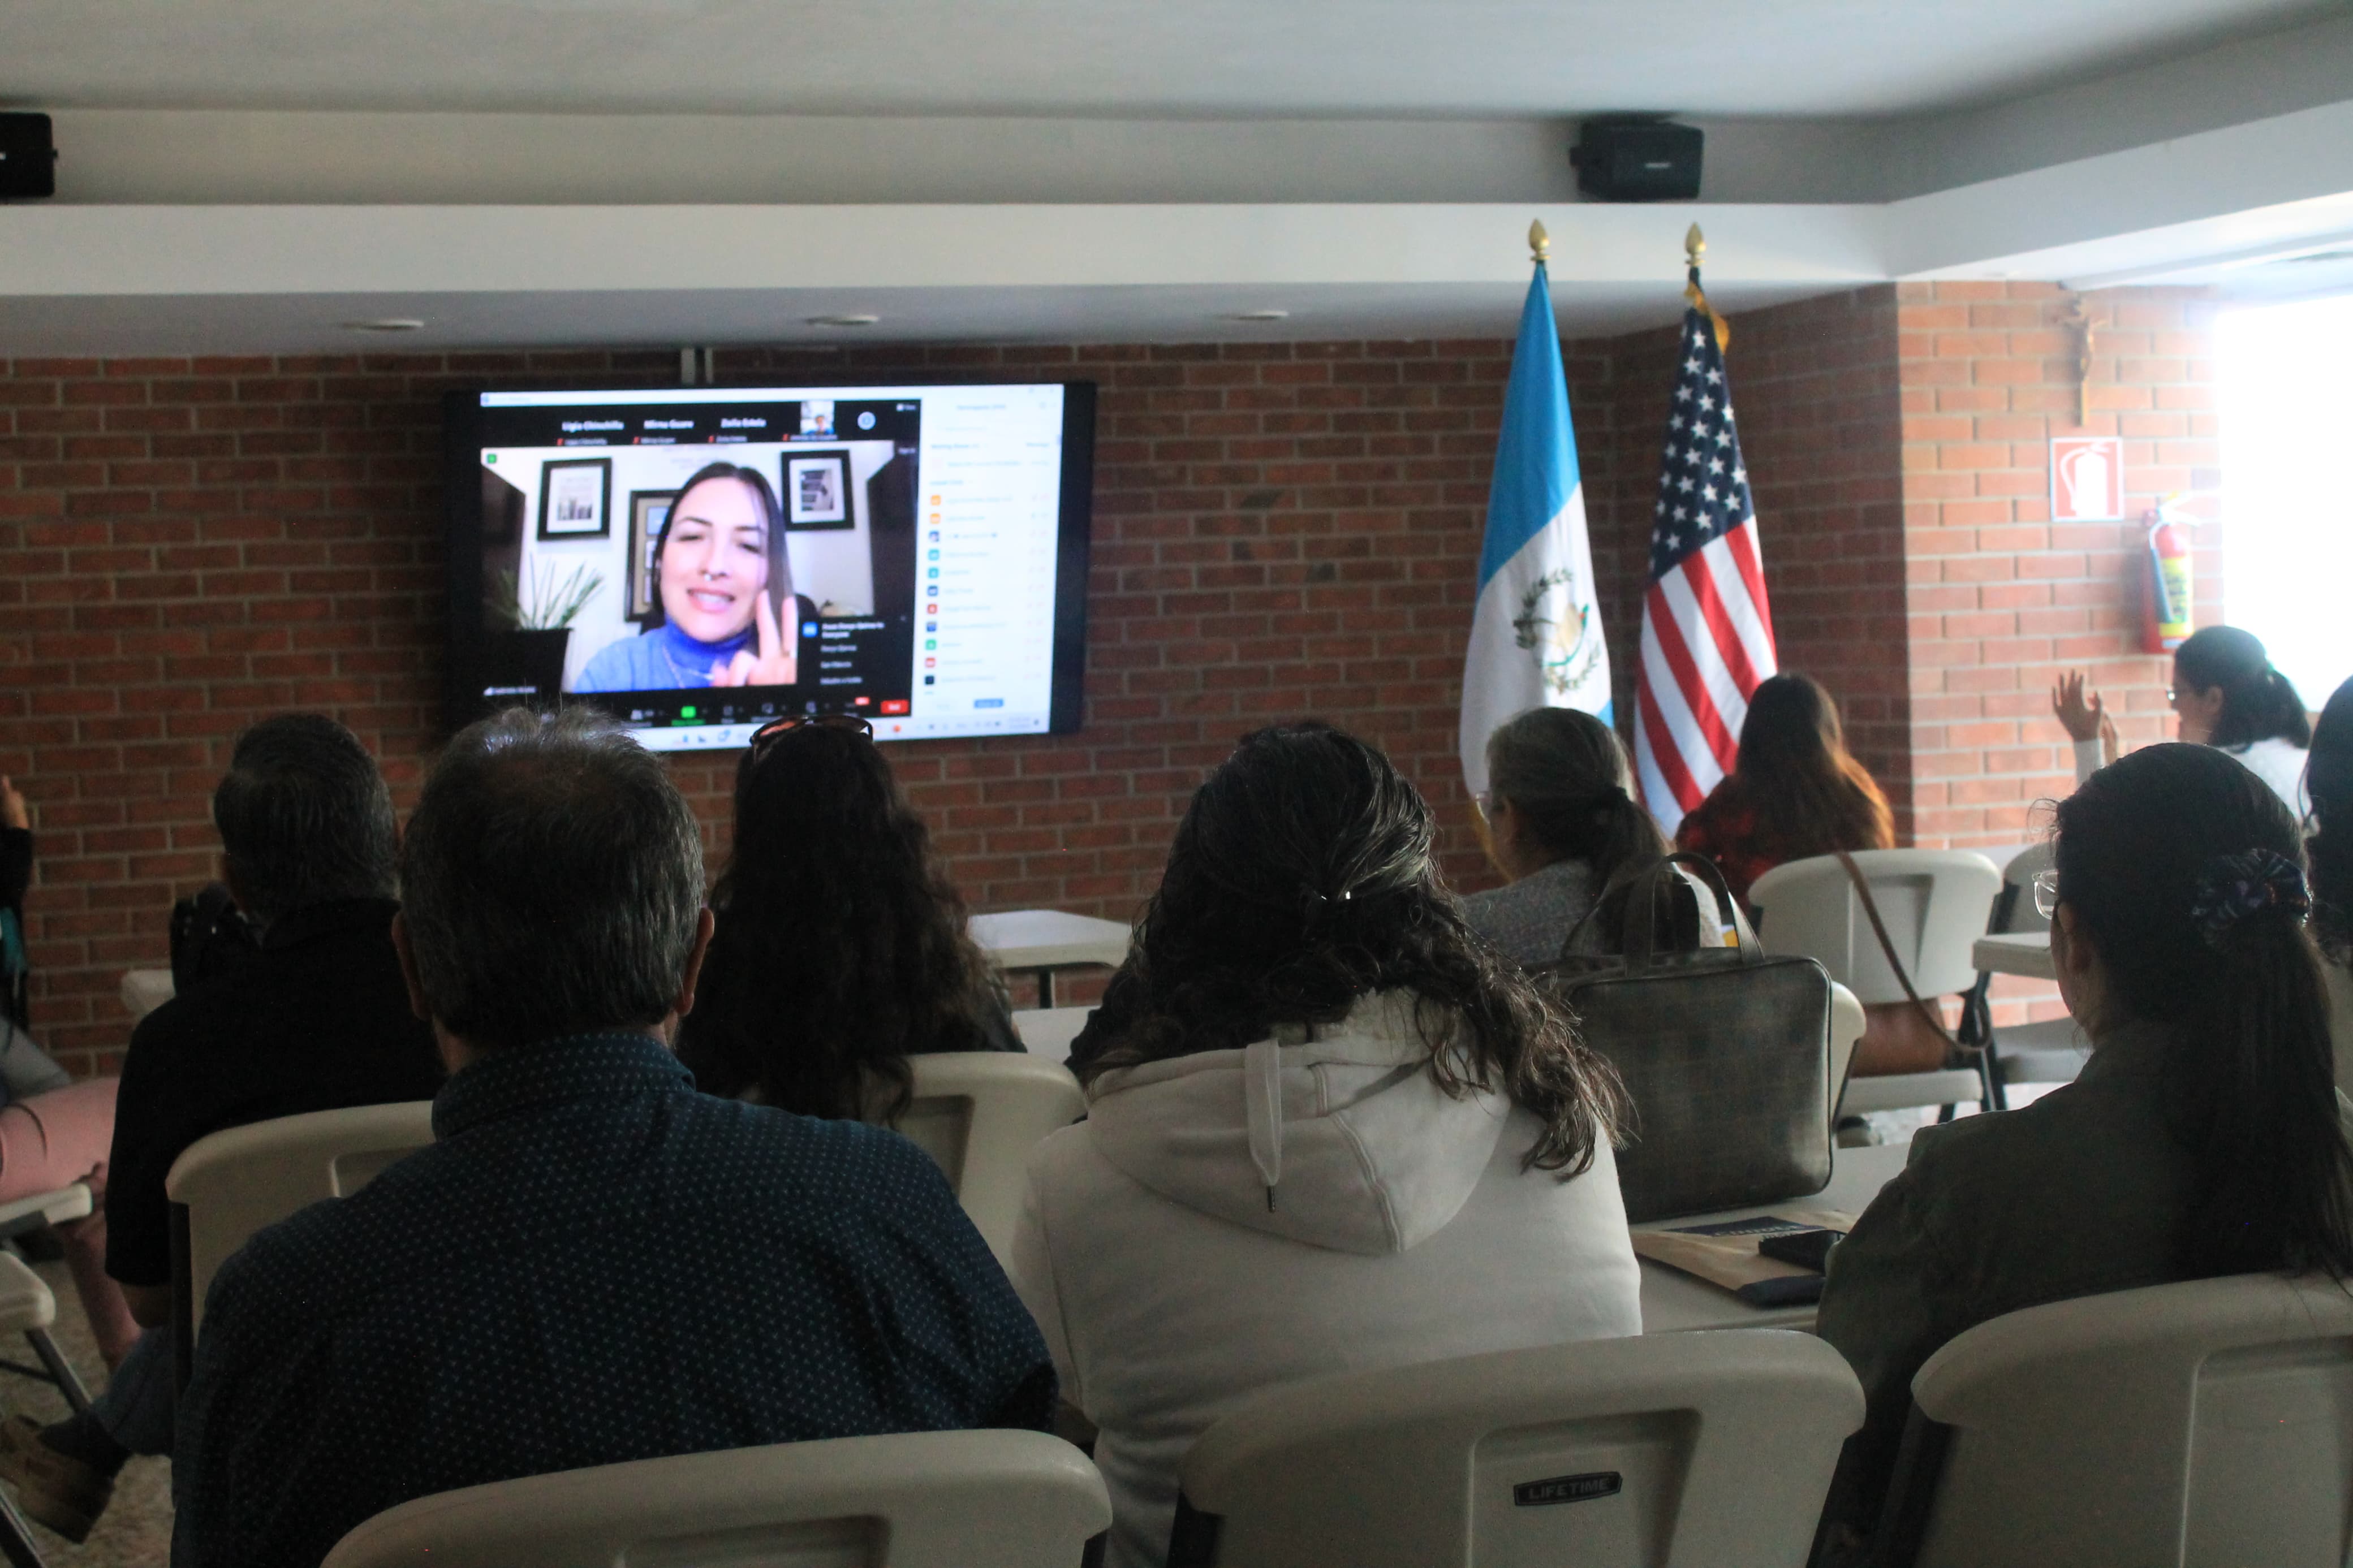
1626, 158
28, 163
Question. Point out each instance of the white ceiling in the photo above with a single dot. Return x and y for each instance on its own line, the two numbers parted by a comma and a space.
1208, 57
316, 323
246, 175
164, 279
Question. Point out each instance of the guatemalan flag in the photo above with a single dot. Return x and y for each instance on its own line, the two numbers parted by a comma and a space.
1707, 626
1535, 636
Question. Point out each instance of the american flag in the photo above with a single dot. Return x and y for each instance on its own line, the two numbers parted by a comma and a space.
1707, 630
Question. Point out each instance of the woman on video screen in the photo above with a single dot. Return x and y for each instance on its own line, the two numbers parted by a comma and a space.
724, 611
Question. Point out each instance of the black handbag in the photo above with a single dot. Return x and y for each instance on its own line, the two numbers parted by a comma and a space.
1725, 1054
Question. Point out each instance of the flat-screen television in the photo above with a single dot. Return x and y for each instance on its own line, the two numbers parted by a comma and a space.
700, 561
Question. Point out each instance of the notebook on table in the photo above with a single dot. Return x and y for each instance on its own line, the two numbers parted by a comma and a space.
1725, 1254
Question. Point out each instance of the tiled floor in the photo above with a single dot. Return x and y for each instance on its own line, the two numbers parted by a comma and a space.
136, 1531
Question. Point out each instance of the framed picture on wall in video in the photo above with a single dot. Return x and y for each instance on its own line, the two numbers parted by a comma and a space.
648, 509
576, 496
816, 490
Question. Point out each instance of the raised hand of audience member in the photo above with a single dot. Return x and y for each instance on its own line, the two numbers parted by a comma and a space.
2082, 714
14, 813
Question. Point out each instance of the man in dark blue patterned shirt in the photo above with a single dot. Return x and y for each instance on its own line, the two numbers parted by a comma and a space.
593, 1263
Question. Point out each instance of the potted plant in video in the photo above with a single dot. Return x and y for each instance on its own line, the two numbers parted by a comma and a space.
530, 626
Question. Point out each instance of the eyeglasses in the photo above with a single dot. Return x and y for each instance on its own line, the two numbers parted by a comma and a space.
2046, 894
768, 734
1486, 801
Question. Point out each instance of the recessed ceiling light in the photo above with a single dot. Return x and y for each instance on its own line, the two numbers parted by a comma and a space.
1257, 316
387, 324
849, 319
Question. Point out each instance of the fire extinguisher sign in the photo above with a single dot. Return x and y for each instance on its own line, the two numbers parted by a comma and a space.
2088, 478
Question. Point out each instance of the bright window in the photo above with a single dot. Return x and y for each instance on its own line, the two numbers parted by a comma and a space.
2287, 526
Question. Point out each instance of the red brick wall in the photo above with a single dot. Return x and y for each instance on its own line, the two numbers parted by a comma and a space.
2001, 598
1281, 530
187, 545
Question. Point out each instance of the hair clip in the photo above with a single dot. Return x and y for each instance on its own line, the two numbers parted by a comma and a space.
1315, 906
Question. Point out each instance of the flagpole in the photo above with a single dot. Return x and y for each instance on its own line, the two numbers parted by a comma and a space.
1707, 626
1539, 250
1694, 249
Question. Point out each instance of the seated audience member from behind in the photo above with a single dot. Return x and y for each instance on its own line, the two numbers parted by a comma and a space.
16, 879
724, 610
317, 1021
1793, 793
1564, 827
53, 1131
1328, 1129
840, 948
2328, 781
2225, 694
2201, 1139
460, 1319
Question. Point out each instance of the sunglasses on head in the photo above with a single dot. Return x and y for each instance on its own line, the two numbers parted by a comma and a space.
768, 734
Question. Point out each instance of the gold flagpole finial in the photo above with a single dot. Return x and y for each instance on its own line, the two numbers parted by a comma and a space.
1539, 243
1695, 247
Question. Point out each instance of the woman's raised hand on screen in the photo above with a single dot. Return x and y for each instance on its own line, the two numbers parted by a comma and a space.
775, 660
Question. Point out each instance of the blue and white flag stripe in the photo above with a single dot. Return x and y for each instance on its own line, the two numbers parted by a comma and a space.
1536, 634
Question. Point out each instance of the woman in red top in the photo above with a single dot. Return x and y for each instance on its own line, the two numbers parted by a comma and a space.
1793, 791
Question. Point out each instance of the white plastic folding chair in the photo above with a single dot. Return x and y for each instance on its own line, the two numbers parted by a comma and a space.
228, 1185
17, 1217
1670, 1451
1935, 903
26, 1307
1847, 1024
979, 1114
924, 1499
1049, 1031
2051, 1050
2206, 1425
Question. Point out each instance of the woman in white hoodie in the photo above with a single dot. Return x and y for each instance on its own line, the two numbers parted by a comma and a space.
1329, 1129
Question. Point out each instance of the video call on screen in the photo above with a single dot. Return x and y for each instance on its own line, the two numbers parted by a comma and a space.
891, 552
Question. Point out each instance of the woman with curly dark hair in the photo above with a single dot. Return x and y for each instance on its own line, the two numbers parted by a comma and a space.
841, 948
1329, 1128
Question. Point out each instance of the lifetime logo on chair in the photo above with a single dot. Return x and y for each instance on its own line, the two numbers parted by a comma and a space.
1568, 1488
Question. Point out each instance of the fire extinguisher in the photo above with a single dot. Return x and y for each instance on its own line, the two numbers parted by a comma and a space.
2166, 623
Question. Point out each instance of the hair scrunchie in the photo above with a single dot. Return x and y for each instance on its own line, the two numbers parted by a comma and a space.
2233, 888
